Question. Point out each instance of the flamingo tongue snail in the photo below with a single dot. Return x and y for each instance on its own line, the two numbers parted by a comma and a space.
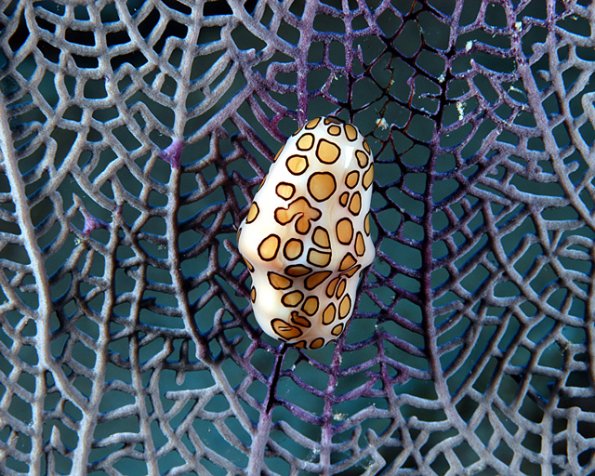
306, 237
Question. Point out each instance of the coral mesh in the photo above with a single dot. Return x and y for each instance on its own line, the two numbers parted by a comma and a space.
132, 138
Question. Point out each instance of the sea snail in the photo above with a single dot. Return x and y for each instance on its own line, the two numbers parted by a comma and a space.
306, 237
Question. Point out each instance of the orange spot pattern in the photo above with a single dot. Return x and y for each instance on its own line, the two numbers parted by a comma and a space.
306, 237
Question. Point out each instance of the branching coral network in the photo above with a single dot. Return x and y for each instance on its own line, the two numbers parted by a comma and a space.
134, 136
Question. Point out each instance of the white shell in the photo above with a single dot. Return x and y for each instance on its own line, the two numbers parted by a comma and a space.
306, 238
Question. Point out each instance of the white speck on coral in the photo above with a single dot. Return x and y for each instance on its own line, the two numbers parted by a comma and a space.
514, 89
461, 110
382, 123
339, 416
468, 45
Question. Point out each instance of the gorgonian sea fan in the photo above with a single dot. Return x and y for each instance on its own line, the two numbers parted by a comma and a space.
133, 136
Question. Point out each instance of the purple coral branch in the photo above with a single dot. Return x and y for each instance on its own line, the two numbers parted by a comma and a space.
172, 154
91, 222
